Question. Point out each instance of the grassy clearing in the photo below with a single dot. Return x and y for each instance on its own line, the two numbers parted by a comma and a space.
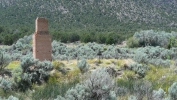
13, 65
59, 83
161, 77
49, 91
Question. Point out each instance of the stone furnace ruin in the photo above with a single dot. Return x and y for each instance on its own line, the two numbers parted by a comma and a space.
42, 40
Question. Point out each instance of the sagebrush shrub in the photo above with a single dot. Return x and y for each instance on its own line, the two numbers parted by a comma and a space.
98, 86
10, 98
172, 91
83, 66
5, 84
141, 89
158, 94
153, 38
33, 71
131, 97
21, 47
139, 69
154, 55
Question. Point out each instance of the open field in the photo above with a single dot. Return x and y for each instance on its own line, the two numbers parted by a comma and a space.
136, 71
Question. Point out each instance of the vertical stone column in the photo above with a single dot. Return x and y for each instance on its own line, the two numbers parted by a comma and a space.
42, 48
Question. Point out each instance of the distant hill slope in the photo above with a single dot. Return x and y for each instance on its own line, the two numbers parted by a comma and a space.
101, 15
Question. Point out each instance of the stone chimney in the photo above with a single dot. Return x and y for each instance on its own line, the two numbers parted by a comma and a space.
42, 48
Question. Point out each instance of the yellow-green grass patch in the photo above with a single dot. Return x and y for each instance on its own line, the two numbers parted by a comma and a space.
13, 65
161, 77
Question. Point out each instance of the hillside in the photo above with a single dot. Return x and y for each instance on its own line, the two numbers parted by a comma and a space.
91, 16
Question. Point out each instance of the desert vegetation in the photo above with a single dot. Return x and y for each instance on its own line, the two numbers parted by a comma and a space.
110, 21
144, 69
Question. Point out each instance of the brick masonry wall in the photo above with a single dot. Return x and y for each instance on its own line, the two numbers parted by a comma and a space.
42, 48
41, 24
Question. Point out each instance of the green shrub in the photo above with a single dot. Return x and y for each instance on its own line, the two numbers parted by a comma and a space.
98, 86
6, 85
172, 91
59, 66
10, 98
33, 71
154, 38
4, 59
128, 83
142, 88
158, 95
172, 42
154, 55
132, 42
50, 91
131, 97
83, 66
139, 69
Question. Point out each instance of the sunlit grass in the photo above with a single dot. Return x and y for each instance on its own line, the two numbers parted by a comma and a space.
161, 77
13, 65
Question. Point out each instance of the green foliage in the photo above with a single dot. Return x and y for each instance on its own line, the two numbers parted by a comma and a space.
131, 43
154, 55
92, 17
112, 96
21, 47
172, 91
121, 91
10, 98
158, 95
142, 88
59, 66
33, 71
26, 63
59, 98
13, 64
6, 85
139, 69
4, 59
172, 42
52, 90
11, 35
118, 53
83, 66
99, 85
128, 83
79, 92
131, 97
87, 51
153, 38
